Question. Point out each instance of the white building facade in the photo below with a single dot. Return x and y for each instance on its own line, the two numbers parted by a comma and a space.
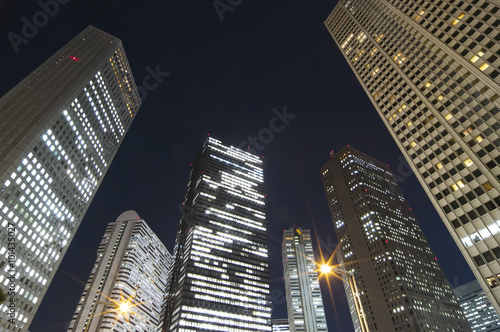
132, 267
306, 312
60, 128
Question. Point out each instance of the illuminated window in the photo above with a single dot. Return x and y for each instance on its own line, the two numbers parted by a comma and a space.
399, 58
492, 282
347, 40
487, 186
373, 51
408, 123
455, 21
419, 15
454, 187
375, 71
468, 162
361, 37
413, 144
440, 97
484, 66
439, 165
448, 116
428, 84
460, 184
479, 138
476, 57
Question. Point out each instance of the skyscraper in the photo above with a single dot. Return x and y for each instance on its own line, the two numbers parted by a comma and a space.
132, 268
400, 284
220, 274
303, 294
431, 69
60, 128
477, 308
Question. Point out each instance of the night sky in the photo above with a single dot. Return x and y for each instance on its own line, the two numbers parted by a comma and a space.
227, 78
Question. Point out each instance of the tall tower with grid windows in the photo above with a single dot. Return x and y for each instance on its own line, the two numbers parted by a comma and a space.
220, 274
400, 285
431, 69
131, 270
60, 128
306, 312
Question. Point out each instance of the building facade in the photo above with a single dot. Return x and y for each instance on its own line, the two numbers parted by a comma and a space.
60, 128
400, 285
132, 267
431, 69
306, 312
477, 308
220, 274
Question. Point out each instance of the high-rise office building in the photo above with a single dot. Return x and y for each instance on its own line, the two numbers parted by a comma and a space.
220, 274
280, 325
132, 268
431, 69
303, 294
400, 285
477, 308
60, 128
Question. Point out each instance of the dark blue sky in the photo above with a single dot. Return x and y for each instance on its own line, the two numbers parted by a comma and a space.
225, 78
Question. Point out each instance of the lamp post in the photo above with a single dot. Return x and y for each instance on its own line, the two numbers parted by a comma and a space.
123, 307
327, 269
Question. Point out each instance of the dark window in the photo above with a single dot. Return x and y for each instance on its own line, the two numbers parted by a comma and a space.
490, 206
481, 210
470, 195
479, 191
479, 260
496, 251
488, 256
472, 215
